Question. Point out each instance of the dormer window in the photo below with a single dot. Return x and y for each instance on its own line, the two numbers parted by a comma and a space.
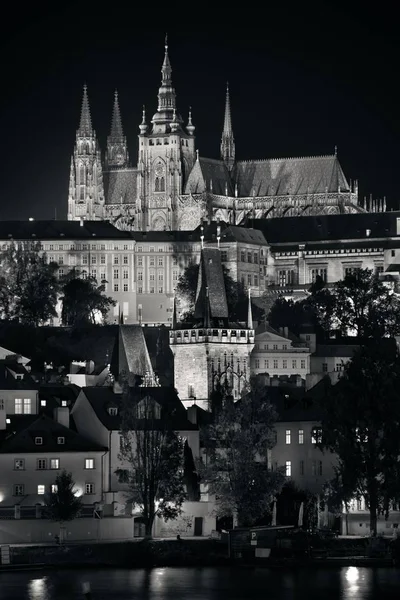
39, 441
43, 403
148, 408
63, 403
113, 411
61, 440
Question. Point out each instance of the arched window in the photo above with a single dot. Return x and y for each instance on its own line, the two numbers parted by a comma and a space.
81, 174
162, 184
157, 185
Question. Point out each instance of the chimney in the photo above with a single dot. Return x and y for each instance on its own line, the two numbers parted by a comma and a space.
61, 415
3, 417
286, 332
191, 412
89, 367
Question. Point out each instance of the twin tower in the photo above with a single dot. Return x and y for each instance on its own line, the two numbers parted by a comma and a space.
144, 197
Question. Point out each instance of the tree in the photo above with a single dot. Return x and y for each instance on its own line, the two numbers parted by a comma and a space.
236, 296
361, 302
360, 424
28, 284
83, 301
236, 469
63, 505
152, 455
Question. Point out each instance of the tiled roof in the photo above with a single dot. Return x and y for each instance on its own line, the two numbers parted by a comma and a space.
120, 186
24, 439
101, 399
208, 170
9, 382
165, 236
290, 176
133, 352
211, 277
327, 228
68, 392
59, 230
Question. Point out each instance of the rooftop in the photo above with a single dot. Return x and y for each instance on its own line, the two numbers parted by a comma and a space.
58, 230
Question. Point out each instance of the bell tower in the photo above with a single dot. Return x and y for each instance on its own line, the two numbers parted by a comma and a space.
166, 156
86, 191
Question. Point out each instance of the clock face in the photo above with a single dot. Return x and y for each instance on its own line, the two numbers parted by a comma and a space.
159, 170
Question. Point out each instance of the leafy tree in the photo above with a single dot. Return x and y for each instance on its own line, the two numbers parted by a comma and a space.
361, 302
236, 468
236, 295
83, 300
152, 455
28, 284
360, 424
63, 506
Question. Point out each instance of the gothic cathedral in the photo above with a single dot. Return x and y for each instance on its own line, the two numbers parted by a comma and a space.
173, 188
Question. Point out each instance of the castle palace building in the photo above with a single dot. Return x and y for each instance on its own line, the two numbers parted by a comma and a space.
173, 188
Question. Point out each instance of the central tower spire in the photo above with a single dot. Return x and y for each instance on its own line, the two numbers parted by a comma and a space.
166, 98
227, 140
85, 124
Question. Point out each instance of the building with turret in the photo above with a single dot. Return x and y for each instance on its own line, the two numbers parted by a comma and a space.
214, 352
172, 187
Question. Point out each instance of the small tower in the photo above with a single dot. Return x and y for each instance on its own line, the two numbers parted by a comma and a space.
86, 191
166, 156
227, 140
214, 351
117, 149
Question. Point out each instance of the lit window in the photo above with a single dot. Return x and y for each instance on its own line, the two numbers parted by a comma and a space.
288, 468
316, 435
38, 441
41, 464
19, 464
54, 488
301, 436
27, 406
89, 463
54, 463
19, 489
18, 406
288, 436
43, 403
89, 488
41, 489
63, 403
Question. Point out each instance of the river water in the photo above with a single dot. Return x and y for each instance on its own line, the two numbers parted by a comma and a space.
205, 583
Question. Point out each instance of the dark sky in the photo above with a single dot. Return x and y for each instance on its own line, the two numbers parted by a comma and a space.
301, 82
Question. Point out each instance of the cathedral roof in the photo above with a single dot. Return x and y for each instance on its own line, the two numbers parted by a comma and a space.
121, 186
57, 230
281, 176
205, 171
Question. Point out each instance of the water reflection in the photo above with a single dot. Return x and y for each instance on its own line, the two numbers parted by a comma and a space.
349, 583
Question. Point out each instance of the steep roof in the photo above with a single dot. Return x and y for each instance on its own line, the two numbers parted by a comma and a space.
338, 350
133, 352
9, 382
211, 283
290, 176
327, 228
206, 170
23, 440
101, 399
59, 230
120, 186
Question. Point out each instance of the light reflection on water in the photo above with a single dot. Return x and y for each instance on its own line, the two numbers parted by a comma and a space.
347, 583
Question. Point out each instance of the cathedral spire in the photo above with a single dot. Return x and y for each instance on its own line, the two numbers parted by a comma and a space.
117, 149
227, 140
117, 133
166, 97
85, 124
166, 70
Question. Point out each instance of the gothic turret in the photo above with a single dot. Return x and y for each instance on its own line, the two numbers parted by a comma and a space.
166, 98
117, 150
227, 140
86, 191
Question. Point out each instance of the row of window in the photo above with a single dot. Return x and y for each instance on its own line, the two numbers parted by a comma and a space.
84, 259
152, 290
19, 489
277, 363
289, 276
316, 434
77, 246
271, 347
43, 464
316, 468
251, 279
249, 257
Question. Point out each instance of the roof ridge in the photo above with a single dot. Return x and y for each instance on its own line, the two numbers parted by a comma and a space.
260, 160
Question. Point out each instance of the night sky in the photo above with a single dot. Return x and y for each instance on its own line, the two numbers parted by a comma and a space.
301, 83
